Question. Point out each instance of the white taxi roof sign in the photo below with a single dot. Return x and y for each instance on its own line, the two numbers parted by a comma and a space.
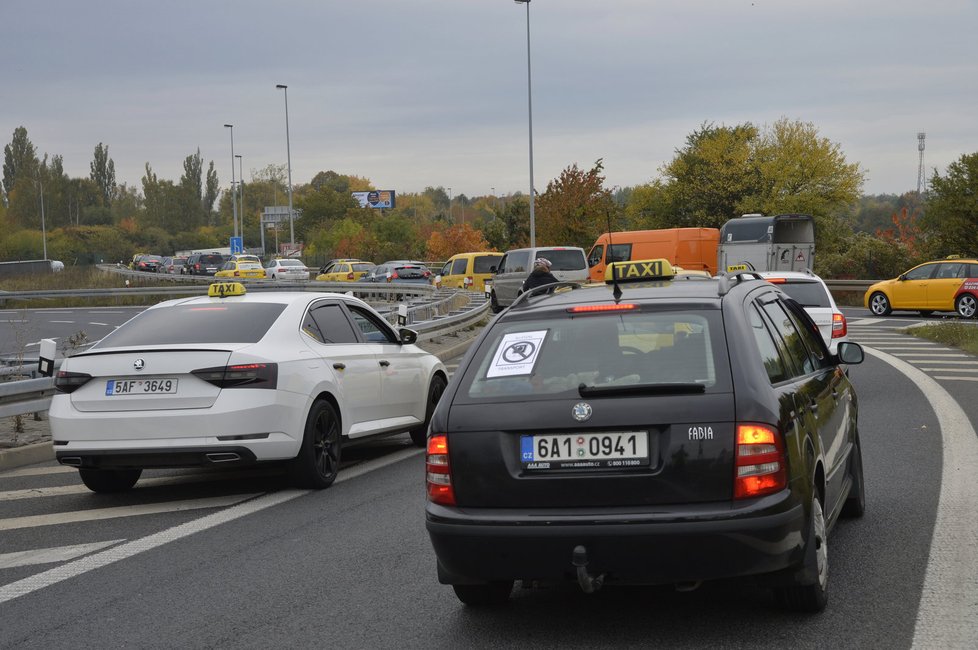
225, 289
638, 270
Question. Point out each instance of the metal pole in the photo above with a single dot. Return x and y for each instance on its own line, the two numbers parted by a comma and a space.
288, 153
529, 103
234, 194
450, 218
241, 189
44, 232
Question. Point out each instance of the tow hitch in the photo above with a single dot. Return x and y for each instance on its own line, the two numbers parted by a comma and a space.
589, 584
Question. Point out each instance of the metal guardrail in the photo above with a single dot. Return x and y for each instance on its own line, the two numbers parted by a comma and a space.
25, 396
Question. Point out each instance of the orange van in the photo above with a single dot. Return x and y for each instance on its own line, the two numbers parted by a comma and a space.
690, 248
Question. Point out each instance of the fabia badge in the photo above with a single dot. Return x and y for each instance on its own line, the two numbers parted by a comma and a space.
581, 411
138, 364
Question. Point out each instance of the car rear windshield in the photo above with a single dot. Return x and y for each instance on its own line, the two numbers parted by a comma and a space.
547, 358
363, 267
484, 263
225, 322
807, 293
211, 259
564, 260
290, 263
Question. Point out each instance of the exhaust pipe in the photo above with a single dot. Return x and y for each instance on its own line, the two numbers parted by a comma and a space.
589, 584
73, 461
223, 457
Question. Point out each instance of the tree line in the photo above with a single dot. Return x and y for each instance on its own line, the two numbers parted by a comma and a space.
718, 173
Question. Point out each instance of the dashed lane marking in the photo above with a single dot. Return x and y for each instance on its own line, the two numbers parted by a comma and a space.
52, 555
38, 471
950, 378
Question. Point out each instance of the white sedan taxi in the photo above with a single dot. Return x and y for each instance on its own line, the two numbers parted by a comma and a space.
237, 378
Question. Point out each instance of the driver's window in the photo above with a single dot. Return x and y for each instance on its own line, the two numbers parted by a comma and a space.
596, 256
370, 326
921, 272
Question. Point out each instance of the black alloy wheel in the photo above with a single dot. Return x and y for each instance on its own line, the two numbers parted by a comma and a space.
107, 481
810, 594
419, 435
318, 461
493, 303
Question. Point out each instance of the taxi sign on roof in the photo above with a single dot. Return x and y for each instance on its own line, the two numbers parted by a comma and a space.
225, 289
637, 270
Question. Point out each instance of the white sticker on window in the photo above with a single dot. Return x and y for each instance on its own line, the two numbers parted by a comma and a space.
517, 354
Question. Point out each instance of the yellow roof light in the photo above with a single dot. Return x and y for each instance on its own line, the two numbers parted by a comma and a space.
658, 269
225, 289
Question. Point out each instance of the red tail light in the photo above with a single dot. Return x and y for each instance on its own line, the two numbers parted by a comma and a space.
427, 274
242, 375
349, 276
439, 472
236, 274
68, 382
839, 326
760, 462
584, 309
394, 275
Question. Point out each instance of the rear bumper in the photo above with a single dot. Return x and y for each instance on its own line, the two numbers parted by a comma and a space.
643, 549
155, 458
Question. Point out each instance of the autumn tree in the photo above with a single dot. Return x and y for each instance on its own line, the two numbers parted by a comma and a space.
103, 173
456, 238
19, 159
576, 207
951, 215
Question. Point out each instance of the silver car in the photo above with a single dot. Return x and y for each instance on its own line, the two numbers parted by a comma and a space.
568, 264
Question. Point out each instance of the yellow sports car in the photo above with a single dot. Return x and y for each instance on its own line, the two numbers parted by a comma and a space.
241, 269
942, 285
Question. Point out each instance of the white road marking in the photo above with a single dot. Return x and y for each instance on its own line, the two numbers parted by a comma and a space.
34, 344
97, 514
931, 355
38, 471
129, 549
867, 321
915, 359
160, 481
14, 321
967, 370
946, 615
956, 378
102, 324
51, 555
61, 321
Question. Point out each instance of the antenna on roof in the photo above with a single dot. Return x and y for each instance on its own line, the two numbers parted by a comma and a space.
616, 291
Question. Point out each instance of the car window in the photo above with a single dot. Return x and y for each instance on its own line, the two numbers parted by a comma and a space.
921, 272
484, 263
332, 324
227, 322
809, 333
517, 262
373, 329
362, 267
564, 260
807, 293
619, 253
785, 327
540, 358
596, 255
773, 363
458, 266
949, 270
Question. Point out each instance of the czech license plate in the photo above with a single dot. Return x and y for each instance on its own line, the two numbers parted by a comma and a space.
609, 449
157, 386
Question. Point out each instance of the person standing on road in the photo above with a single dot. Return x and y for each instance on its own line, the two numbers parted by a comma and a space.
540, 275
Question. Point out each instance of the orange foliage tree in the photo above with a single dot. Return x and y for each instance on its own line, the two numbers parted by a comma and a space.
575, 209
904, 231
460, 238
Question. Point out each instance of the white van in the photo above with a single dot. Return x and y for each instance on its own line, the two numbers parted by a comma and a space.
568, 264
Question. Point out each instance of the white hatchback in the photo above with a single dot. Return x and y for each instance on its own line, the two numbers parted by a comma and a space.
286, 269
237, 380
810, 292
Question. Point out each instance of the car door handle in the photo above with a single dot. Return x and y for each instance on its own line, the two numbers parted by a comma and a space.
384, 363
339, 366
813, 407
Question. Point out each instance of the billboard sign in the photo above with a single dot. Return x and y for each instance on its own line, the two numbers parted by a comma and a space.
375, 198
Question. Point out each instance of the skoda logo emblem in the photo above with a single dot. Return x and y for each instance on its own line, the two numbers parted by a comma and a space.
138, 364
581, 411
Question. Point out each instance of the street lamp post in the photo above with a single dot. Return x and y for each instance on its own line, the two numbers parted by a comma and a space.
44, 233
529, 103
450, 218
288, 153
241, 189
234, 194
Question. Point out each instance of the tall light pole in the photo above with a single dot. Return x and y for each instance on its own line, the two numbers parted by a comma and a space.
234, 194
450, 218
529, 103
288, 153
44, 232
241, 189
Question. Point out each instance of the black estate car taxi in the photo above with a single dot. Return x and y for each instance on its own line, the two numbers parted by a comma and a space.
656, 432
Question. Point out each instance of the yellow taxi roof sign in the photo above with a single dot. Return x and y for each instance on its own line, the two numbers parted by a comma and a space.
225, 289
637, 270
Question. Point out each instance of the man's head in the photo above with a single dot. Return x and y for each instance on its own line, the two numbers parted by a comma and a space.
541, 264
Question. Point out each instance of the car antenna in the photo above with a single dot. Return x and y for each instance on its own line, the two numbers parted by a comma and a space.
616, 291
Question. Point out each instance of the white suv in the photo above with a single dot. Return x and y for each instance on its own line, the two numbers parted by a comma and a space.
810, 292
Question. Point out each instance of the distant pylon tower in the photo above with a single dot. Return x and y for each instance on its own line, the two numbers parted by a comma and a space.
921, 174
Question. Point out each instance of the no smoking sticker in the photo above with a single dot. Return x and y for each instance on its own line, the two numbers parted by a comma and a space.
517, 354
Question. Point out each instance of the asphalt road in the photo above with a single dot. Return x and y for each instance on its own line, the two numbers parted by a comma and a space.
351, 566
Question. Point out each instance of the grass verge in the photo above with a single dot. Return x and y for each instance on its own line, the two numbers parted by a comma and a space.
957, 335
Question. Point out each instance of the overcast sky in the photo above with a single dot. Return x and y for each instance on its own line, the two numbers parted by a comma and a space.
412, 93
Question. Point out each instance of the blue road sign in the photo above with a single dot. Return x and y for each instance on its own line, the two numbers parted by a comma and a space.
237, 245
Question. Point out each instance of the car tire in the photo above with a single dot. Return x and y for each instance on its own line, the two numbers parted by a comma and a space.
107, 481
318, 461
804, 596
485, 594
419, 435
966, 305
494, 304
855, 504
879, 304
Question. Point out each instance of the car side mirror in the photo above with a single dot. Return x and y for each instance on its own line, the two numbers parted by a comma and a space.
903, 276
492, 269
408, 336
850, 352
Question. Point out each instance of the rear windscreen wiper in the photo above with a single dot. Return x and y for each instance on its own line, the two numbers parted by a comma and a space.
641, 389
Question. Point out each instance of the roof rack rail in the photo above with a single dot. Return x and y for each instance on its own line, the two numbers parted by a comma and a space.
543, 288
723, 285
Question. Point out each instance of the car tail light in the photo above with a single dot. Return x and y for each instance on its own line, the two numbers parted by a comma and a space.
394, 275
427, 274
469, 281
197, 266
439, 472
242, 375
776, 280
760, 461
69, 382
584, 309
839, 326
236, 274
349, 276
